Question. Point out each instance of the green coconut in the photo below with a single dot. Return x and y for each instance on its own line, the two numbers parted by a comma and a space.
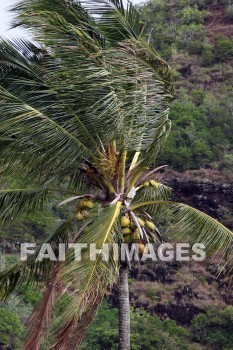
136, 235
133, 225
127, 238
150, 225
79, 216
141, 222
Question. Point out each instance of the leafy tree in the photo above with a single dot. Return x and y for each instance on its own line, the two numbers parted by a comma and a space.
201, 130
223, 49
85, 114
193, 15
103, 332
214, 328
201, 151
10, 329
147, 332
198, 96
195, 47
207, 55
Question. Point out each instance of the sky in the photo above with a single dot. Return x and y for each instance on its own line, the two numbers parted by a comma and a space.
5, 20
6, 17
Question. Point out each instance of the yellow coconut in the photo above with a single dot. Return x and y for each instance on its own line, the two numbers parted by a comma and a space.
141, 248
89, 204
136, 235
86, 204
81, 204
79, 216
146, 184
125, 221
126, 231
150, 225
141, 222
85, 213
154, 184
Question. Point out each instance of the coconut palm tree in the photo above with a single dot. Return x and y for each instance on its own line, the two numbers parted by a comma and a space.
83, 113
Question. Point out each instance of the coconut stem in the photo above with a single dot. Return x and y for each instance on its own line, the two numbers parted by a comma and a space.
135, 159
122, 172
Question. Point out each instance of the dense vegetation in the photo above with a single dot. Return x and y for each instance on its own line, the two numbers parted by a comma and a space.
212, 330
195, 36
201, 133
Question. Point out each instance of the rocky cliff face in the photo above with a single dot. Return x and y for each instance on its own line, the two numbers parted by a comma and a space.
178, 290
215, 199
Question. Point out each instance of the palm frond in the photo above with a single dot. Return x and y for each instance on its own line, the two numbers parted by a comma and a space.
134, 104
198, 226
28, 103
27, 14
107, 20
150, 175
204, 229
90, 278
20, 202
116, 21
161, 193
39, 322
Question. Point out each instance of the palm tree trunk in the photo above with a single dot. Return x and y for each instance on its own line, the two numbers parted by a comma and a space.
124, 310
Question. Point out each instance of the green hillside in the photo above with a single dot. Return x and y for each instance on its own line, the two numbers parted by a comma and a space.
195, 36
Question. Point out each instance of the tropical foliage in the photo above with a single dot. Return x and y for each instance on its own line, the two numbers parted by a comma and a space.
214, 328
147, 332
201, 132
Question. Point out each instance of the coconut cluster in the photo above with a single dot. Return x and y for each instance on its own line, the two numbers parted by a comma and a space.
82, 209
131, 233
152, 183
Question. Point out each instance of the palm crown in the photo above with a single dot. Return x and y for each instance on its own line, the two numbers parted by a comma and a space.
84, 113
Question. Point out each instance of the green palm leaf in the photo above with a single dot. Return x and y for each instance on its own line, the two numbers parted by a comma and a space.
198, 226
21, 202
91, 277
162, 193
89, 280
203, 228
18, 203
57, 114
108, 17
111, 99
